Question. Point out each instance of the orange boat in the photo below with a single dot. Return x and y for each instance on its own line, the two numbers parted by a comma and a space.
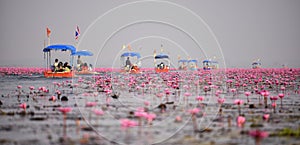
210, 65
131, 62
182, 64
52, 74
256, 64
162, 63
84, 70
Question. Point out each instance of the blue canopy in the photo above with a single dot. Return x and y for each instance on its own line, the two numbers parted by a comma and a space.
61, 47
206, 61
161, 56
83, 53
132, 54
193, 60
255, 63
183, 60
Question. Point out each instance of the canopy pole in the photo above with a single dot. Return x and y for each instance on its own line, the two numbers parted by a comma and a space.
44, 59
48, 41
49, 59
71, 61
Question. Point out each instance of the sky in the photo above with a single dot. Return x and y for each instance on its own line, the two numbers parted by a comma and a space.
234, 32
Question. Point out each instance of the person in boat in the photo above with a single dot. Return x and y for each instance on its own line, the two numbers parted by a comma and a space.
128, 64
54, 67
161, 65
67, 67
85, 67
79, 63
60, 67
90, 67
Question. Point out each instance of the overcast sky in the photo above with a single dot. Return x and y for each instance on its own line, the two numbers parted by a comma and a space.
246, 30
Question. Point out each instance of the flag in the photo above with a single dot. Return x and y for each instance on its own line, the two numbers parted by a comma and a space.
48, 32
129, 47
77, 33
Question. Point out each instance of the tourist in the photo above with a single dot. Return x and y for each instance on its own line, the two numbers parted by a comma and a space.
79, 63
67, 67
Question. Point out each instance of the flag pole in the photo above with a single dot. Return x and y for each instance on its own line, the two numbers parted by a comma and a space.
48, 41
48, 32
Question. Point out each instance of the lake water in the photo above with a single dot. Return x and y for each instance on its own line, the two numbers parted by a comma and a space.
43, 123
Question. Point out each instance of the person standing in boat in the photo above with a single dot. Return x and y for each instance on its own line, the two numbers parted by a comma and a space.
127, 64
79, 63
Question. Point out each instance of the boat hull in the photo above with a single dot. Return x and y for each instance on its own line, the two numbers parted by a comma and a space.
50, 74
161, 70
135, 70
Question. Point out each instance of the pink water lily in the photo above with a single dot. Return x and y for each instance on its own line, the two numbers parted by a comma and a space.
281, 96
31, 88
240, 121
52, 98
221, 100
266, 117
265, 94
247, 94
126, 123
91, 104
178, 119
19, 87
233, 90
65, 110
23, 106
258, 135
194, 111
273, 99
98, 112
194, 119
239, 103
200, 98
146, 103
187, 94
150, 117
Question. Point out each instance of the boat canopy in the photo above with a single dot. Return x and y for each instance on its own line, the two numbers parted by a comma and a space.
255, 63
61, 47
193, 60
83, 53
132, 54
161, 56
206, 61
183, 60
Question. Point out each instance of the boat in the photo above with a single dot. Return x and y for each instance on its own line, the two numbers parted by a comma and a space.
182, 64
210, 64
86, 70
192, 64
162, 63
49, 72
256, 65
130, 62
